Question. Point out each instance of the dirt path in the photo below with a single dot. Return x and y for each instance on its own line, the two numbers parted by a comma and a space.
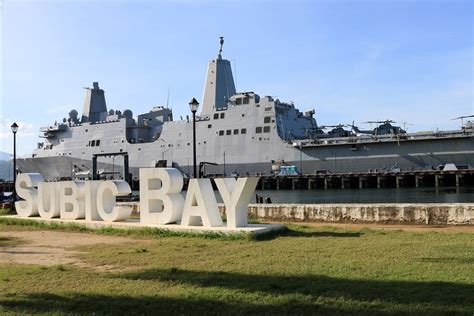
55, 247
49, 247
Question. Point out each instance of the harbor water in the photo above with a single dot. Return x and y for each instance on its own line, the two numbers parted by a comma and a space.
382, 195
367, 195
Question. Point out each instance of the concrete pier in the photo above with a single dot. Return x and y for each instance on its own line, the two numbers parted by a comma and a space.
418, 178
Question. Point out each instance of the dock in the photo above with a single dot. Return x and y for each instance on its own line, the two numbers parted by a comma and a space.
417, 178
351, 180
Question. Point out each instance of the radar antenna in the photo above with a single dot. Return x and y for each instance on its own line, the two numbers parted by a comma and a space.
220, 50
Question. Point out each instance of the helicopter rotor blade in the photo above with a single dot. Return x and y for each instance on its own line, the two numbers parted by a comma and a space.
462, 117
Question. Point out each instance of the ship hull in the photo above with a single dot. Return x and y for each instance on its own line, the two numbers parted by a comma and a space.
343, 158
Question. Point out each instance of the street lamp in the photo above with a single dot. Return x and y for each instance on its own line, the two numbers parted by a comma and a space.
14, 128
193, 106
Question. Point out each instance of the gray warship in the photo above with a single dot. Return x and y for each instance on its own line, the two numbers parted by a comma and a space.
238, 133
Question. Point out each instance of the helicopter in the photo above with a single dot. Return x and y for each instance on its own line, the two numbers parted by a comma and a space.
313, 132
385, 128
469, 123
338, 130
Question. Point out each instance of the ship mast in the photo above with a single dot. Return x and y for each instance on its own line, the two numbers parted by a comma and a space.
219, 56
219, 85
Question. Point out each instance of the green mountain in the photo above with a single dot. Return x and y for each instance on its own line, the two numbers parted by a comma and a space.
5, 156
6, 169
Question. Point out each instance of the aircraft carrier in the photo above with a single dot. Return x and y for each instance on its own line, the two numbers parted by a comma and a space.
238, 133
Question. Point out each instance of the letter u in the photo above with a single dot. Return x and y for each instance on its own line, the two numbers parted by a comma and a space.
48, 200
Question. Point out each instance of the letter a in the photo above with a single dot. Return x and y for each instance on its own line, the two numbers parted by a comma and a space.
201, 204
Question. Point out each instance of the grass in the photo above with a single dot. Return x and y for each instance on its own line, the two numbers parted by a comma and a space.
305, 270
138, 232
5, 211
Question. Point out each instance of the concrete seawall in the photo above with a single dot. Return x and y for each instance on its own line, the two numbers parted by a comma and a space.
408, 213
431, 214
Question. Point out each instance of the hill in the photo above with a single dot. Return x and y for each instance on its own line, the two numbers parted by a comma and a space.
6, 169
5, 156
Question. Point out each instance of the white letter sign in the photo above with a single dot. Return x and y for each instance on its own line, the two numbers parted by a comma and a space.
201, 205
106, 204
71, 200
25, 187
236, 196
160, 201
91, 188
48, 200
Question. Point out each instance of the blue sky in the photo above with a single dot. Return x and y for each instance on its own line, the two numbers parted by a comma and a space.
350, 60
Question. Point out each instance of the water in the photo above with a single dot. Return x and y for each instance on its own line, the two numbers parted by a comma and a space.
382, 195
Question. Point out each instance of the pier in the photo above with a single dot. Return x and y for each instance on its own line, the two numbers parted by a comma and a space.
361, 180
418, 178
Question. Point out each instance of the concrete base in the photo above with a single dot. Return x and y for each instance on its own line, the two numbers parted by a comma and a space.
134, 223
403, 213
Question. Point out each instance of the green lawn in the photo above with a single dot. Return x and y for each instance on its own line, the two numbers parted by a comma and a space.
305, 270
4, 211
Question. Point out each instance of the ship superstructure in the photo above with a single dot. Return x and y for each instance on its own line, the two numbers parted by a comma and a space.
238, 133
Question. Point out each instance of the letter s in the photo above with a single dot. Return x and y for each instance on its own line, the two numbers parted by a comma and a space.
26, 188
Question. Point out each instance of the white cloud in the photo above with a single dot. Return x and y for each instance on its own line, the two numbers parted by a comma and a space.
25, 129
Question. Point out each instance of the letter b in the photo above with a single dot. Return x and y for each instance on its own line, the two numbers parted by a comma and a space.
160, 201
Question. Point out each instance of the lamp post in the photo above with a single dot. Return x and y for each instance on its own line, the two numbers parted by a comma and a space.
14, 128
193, 106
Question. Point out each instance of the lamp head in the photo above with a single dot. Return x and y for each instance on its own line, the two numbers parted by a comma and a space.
14, 128
193, 105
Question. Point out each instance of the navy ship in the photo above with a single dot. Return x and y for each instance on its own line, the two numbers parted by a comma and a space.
238, 133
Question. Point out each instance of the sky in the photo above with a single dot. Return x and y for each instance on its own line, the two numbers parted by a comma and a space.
409, 61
